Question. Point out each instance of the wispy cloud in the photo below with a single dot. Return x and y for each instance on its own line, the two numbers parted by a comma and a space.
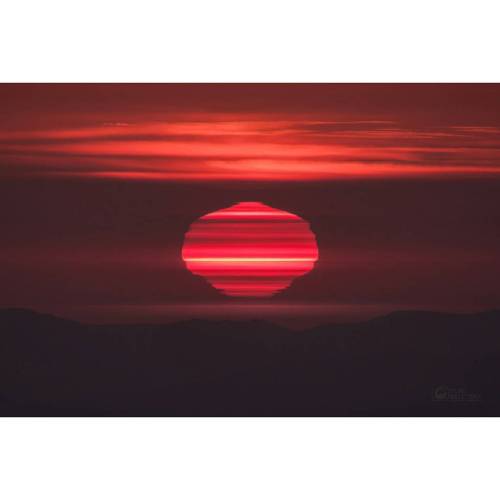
250, 148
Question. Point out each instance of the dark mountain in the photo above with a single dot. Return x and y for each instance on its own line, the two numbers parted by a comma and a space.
405, 363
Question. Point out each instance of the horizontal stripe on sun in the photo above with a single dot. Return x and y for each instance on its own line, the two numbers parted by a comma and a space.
250, 259
238, 214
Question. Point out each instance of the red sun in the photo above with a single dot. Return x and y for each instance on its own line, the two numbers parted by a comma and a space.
250, 249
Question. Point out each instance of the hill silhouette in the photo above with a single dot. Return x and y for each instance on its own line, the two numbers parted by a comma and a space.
405, 363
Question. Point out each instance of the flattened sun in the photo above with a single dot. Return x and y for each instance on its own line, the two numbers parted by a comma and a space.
250, 249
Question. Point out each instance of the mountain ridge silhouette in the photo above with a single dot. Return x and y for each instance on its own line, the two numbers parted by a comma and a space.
389, 365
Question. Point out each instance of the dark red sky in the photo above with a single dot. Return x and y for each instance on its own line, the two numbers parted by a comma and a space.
99, 183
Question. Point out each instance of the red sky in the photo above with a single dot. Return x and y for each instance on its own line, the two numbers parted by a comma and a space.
99, 183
